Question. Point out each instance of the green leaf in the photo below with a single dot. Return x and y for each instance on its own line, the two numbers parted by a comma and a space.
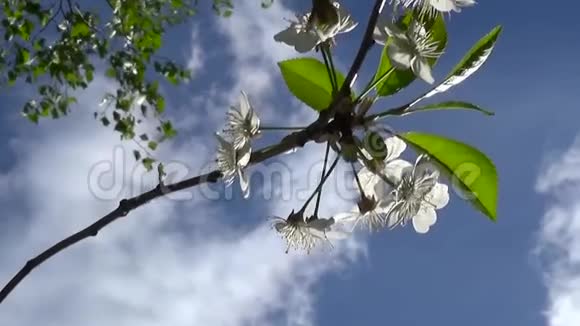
152, 145
26, 29
81, 29
307, 79
167, 130
471, 62
457, 159
111, 73
450, 105
399, 79
23, 56
148, 163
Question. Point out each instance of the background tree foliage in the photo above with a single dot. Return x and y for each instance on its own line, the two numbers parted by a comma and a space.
57, 45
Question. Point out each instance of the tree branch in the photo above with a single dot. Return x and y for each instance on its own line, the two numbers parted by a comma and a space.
366, 44
293, 140
296, 139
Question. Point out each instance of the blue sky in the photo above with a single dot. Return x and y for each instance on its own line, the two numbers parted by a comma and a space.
191, 260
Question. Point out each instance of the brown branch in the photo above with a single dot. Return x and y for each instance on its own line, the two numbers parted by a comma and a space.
366, 44
296, 139
293, 140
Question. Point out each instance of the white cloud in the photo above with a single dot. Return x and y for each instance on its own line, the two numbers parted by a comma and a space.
140, 270
559, 236
197, 55
133, 272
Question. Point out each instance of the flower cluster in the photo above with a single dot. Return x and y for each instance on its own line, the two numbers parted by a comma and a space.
394, 191
234, 148
391, 190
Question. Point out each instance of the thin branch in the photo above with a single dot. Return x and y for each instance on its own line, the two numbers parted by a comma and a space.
48, 22
322, 178
297, 139
319, 187
329, 68
364, 48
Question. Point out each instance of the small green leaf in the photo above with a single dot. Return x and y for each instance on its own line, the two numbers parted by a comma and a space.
26, 29
307, 79
477, 55
167, 129
23, 56
111, 73
148, 163
450, 105
152, 145
471, 62
457, 159
399, 79
81, 29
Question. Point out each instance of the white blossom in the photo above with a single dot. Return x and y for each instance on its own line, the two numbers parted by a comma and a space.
305, 36
409, 49
231, 163
371, 176
430, 8
305, 234
417, 195
242, 122
370, 213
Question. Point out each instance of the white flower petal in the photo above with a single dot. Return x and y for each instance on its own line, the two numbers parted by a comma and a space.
443, 5
380, 33
321, 224
400, 58
380, 36
421, 68
244, 155
424, 219
226, 159
392, 219
439, 196
395, 147
336, 234
395, 169
368, 181
244, 104
306, 42
244, 183
393, 30
255, 122
464, 3
301, 41
345, 218
318, 234
424, 169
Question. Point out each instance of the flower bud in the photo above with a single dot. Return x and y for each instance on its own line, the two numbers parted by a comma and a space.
324, 13
348, 151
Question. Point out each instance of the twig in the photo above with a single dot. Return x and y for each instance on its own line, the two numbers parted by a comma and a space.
321, 179
293, 140
364, 48
297, 139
